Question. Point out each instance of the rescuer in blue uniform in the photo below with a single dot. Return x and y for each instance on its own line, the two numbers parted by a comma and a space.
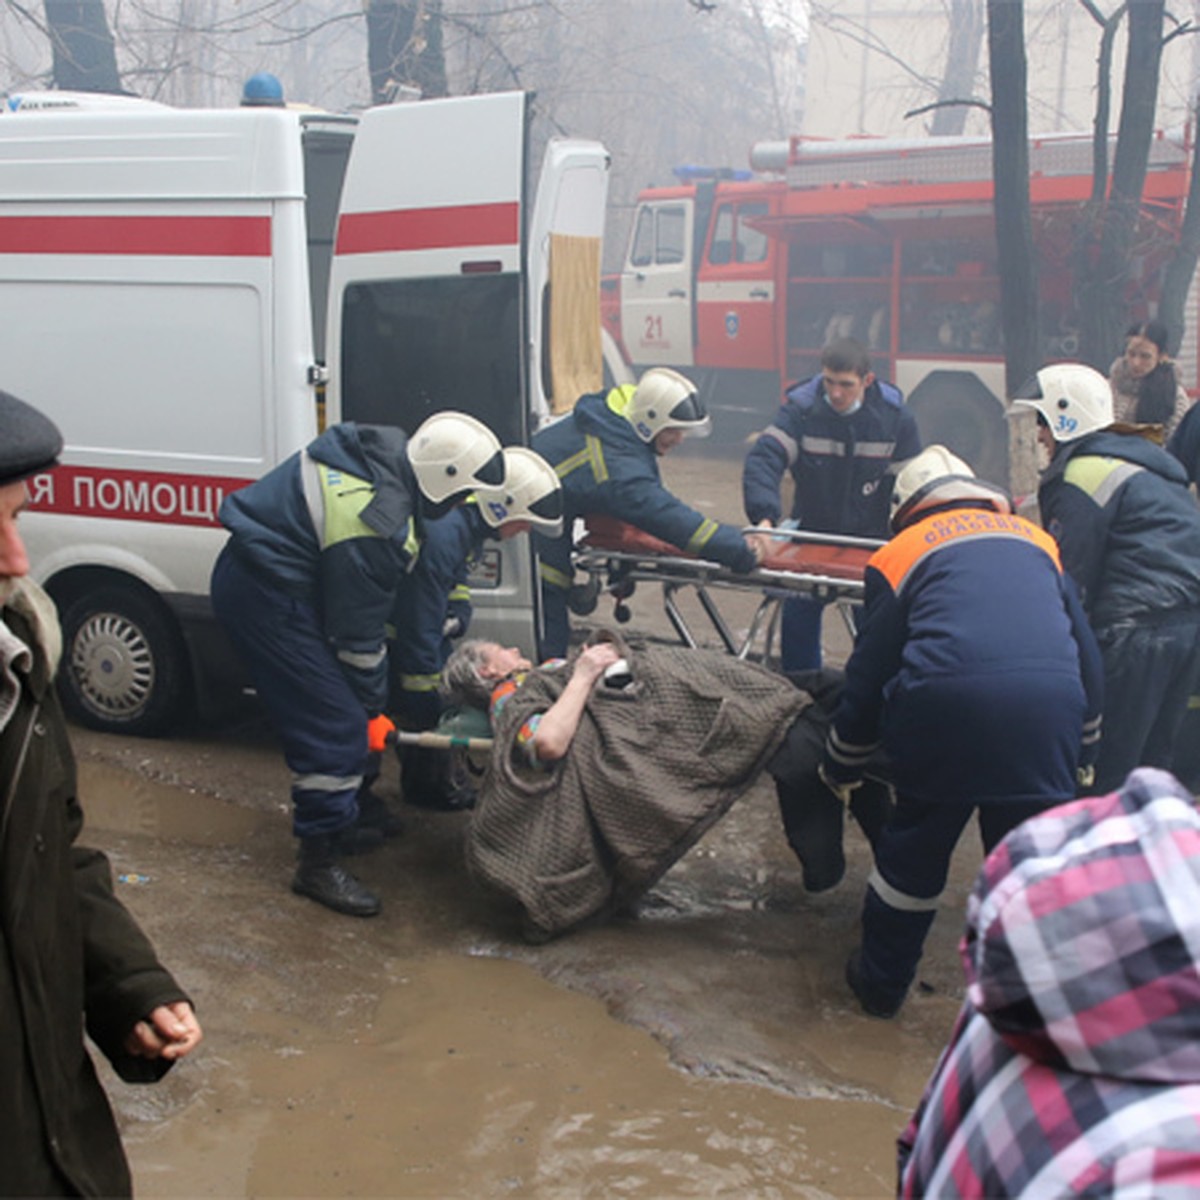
1129, 533
606, 453
434, 608
839, 434
1185, 444
976, 672
318, 549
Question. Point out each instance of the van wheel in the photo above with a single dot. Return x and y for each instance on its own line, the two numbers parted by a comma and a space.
124, 668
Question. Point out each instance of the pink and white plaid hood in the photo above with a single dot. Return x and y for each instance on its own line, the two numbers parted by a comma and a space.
1075, 1065
1083, 935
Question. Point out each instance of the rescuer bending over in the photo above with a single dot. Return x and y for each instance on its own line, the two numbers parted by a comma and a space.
606, 453
433, 611
977, 675
319, 547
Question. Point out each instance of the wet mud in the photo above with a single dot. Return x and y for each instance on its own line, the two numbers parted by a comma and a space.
704, 1046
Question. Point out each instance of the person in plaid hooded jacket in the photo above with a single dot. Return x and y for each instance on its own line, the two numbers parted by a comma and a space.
1074, 1068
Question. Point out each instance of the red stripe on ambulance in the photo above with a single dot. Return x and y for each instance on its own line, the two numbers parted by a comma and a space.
200, 237
429, 228
157, 496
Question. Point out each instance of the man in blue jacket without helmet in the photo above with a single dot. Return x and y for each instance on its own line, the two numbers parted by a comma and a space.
839, 434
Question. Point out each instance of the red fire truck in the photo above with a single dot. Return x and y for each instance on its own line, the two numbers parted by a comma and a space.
739, 281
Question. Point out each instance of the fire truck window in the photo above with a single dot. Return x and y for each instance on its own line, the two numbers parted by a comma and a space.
413, 346
642, 253
719, 252
751, 244
669, 241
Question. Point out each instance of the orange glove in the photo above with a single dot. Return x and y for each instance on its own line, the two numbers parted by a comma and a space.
378, 729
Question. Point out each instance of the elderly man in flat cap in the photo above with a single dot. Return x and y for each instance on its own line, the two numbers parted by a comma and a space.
70, 953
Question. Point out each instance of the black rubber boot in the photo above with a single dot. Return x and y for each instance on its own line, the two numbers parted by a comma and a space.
875, 1001
426, 781
356, 839
374, 815
813, 819
320, 878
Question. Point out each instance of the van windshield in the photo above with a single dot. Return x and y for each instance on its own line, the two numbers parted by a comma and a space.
413, 346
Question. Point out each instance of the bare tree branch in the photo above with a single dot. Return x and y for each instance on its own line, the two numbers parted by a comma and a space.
26, 15
917, 112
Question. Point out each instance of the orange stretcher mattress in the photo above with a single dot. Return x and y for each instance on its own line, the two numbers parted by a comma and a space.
802, 558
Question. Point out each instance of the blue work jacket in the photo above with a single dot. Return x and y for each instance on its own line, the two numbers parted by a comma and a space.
840, 463
336, 525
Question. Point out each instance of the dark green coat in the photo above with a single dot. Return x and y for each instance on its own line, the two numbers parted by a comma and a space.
69, 951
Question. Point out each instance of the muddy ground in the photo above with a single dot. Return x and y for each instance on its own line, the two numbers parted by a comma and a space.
705, 1047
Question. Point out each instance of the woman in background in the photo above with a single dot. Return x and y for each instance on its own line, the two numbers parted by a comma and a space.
1145, 383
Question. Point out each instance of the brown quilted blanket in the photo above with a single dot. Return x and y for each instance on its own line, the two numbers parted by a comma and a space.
651, 768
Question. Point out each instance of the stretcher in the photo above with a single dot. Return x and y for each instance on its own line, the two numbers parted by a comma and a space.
458, 728
617, 556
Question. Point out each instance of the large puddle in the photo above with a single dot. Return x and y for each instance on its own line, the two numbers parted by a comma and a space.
706, 1048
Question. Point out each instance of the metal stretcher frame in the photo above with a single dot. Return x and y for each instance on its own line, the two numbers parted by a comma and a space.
826, 567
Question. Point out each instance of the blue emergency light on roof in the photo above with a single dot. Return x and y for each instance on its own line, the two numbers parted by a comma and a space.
262, 90
694, 174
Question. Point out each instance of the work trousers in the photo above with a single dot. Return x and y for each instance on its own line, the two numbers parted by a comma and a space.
813, 817
315, 712
1151, 669
800, 634
912, 862
554, 560
800, 624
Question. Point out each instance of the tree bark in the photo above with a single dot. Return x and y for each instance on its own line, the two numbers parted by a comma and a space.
1100, 291
1181, 270
85, 58
962, 63
1010, 173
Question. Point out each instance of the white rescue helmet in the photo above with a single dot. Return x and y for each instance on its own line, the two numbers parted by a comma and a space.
532, 491
664, 399
452, 454
936, 477
1073, 399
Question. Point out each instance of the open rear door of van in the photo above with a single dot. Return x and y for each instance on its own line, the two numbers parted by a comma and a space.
430, 297
425, 285
565, 237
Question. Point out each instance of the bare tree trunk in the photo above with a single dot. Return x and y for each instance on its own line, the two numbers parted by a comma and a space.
1181, 270
1010, 173
962, 62
85, 58
1100, 294
1085, 250
404, 48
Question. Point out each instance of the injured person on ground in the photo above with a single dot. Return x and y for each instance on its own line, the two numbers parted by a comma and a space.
607, 768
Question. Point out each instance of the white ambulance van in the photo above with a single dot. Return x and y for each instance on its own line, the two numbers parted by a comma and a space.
182, 290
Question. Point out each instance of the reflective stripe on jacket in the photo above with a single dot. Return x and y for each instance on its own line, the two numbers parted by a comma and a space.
606, 468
